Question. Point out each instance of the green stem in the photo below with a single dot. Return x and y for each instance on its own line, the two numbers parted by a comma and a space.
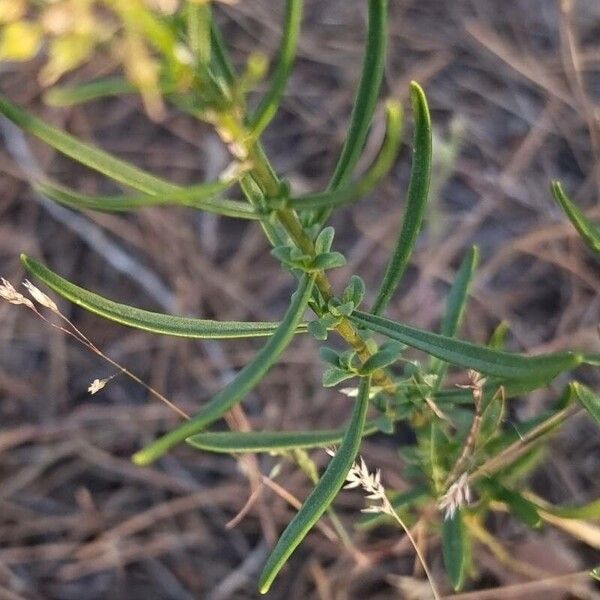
232, 126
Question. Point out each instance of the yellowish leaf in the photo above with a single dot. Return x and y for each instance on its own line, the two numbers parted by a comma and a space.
20, 41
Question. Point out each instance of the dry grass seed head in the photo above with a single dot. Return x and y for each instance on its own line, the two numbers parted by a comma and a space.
457, 495
40, 297
10, 294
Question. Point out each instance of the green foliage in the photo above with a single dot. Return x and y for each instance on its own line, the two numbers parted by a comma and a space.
144, 319
455, 542
270, 102
589, 232
88, 155
519, 506
461, 434
323, 493
241, 385
346, 194
485, 360
231, 442
418, 192
203, 197
455, 307
589, 399
366, 95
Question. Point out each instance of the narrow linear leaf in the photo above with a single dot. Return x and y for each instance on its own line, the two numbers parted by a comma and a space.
222, 63
519, 506
492, 417
595, 573
144, 319
455, 307
498, 338
61, 96
590, 511
349, 193
511, 390
243, 382
366, 98
270, 103
454, 549
202, 197
590, 232
323, 493
199, 17
269, 441
92, 157
482, 359
418, 191
589, 399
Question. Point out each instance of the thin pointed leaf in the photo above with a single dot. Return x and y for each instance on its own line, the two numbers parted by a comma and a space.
498, 338
322, 495
520, 507
388, 354
590, 511
590, 232
492, 418
506, 365
454, 549
243, 382
512, 389
202, 197
93, 157
220, 57
455, 307
366, 98
199, 18
69, 95
230, 442
418, 191
379, 169
589, 399
270, 103
144, 319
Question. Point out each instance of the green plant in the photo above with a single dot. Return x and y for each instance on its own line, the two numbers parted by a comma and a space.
463, 449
